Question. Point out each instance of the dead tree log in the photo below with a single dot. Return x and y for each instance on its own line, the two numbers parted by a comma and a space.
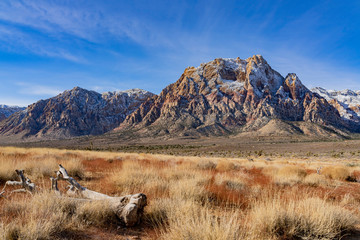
25, 183
128, 208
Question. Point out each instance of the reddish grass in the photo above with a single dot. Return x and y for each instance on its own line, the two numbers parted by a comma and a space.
101, 165
310, 171
257, 177
220, 195
153, 164
356, 175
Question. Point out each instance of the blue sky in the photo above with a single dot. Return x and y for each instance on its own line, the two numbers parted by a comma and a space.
49, 46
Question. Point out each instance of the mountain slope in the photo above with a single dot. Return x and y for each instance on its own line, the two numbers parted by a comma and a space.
229, 95
6, 111
74, 113
347, 102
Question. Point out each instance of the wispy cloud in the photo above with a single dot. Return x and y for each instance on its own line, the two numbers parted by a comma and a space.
13, 40
33, 89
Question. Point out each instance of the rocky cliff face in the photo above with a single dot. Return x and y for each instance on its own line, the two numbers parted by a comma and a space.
227, 95
6, 111
347, 102
74, 113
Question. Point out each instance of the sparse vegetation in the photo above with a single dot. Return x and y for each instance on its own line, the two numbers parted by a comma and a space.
189, 197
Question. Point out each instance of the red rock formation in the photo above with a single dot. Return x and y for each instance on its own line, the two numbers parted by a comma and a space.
226, 95
74, 113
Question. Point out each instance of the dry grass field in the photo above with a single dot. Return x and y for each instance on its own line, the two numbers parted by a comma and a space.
253, 197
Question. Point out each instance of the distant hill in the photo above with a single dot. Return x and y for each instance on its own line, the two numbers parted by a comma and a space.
347, 102
72, 113
6, 111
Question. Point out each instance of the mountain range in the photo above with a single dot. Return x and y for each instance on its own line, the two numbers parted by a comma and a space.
75, 112
221, 97
6, 111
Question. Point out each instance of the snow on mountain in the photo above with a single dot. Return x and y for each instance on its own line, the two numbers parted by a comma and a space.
229, 95
74, 112
347, 102
6, 111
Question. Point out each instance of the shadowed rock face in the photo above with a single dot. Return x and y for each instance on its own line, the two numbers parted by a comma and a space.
6, 111
227, 95
74, 113
347, 102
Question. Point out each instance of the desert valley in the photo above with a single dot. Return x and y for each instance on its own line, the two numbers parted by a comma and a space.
231, 148
179, 120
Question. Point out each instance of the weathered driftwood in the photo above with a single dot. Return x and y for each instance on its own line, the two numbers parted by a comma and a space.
128, 208
25, 183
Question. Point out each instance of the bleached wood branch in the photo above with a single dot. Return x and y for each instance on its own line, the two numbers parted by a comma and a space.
128, 208
25, 182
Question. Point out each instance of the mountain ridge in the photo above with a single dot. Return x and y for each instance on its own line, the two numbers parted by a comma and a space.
224, 96
230, 95
74, 112
6, 111
346, 101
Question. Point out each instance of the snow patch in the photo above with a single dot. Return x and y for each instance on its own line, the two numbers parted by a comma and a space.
347, 99
232, 85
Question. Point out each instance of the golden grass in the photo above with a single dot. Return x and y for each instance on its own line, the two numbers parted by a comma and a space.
190, 221
286, 174
188, 197
46, 216
40, 217
225, 165
336, 172
315, 180
309, 218
37, 164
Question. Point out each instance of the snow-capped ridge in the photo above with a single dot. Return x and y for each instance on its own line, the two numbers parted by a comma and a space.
6, 110
346, 101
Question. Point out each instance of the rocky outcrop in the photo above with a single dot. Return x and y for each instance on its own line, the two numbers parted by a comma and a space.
74, 113
6, 111
347, 102
229, 95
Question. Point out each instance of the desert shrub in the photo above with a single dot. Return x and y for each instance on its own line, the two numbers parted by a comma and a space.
41, 217
134, 177
231, 183
97, 213
7, 170
315, 180
158, 211
195, 222
46, 216
190, 189
286, 175
336, 172
224, 166
206, 165
9, 231
292, 170
310, 218
74, 167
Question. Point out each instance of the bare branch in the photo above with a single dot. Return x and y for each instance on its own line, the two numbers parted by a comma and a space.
128, 208
25, 182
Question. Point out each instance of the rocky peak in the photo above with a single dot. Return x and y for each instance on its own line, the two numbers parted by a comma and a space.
294, 86
347, 102
227, 94
75, 112
256, 60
